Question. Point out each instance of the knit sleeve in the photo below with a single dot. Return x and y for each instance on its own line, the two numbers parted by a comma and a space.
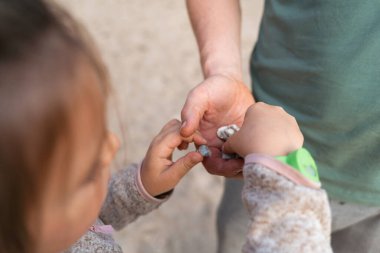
284, 216
127, 199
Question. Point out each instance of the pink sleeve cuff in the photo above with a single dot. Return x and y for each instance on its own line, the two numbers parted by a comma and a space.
282, 169
142, 190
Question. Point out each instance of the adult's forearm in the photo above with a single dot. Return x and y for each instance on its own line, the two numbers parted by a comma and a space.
217, 26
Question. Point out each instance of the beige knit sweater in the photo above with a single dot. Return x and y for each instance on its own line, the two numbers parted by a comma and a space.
284, 216
125, 202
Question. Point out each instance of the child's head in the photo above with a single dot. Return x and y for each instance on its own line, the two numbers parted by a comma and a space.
54, 147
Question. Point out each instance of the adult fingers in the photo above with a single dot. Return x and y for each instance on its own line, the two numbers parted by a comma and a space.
170, 139
196, 138
216, 165
192, 113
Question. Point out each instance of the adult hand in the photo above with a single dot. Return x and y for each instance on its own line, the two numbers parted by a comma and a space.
219, 100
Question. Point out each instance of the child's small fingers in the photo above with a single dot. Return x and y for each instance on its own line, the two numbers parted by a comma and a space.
173, 138
182, 166
184, 145
198, 139
170, 137
165, 144
173, 124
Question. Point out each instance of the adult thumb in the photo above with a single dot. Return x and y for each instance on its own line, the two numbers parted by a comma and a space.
192, 112
183, 165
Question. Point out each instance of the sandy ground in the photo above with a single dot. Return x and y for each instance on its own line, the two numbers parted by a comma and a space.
153, 61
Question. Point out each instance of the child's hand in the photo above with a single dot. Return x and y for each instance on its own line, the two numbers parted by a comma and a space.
159, 174
267, 130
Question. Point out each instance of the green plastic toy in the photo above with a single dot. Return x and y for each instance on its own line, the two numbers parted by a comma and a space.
302, 161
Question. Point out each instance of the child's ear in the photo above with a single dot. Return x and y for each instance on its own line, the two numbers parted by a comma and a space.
110, 148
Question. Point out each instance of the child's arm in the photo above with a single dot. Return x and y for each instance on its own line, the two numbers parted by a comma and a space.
125, 200
285, 216
137, 190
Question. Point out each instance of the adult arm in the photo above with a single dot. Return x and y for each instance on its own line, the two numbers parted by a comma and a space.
216, 25
222, 98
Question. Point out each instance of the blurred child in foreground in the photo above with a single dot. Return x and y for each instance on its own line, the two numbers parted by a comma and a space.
55, 151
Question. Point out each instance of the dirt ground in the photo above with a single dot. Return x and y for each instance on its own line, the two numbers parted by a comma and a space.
153, 61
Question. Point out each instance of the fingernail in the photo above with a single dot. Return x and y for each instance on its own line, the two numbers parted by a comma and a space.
183, 124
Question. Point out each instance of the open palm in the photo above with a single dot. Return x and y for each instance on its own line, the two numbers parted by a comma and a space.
217, 101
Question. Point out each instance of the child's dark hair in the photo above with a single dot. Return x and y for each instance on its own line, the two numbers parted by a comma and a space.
39, 45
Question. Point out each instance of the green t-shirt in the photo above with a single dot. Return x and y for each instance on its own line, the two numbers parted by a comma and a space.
320, 60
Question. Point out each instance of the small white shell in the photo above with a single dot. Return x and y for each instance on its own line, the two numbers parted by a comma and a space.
226, 132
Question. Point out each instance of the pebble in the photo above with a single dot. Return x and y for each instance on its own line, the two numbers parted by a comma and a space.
204, 151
